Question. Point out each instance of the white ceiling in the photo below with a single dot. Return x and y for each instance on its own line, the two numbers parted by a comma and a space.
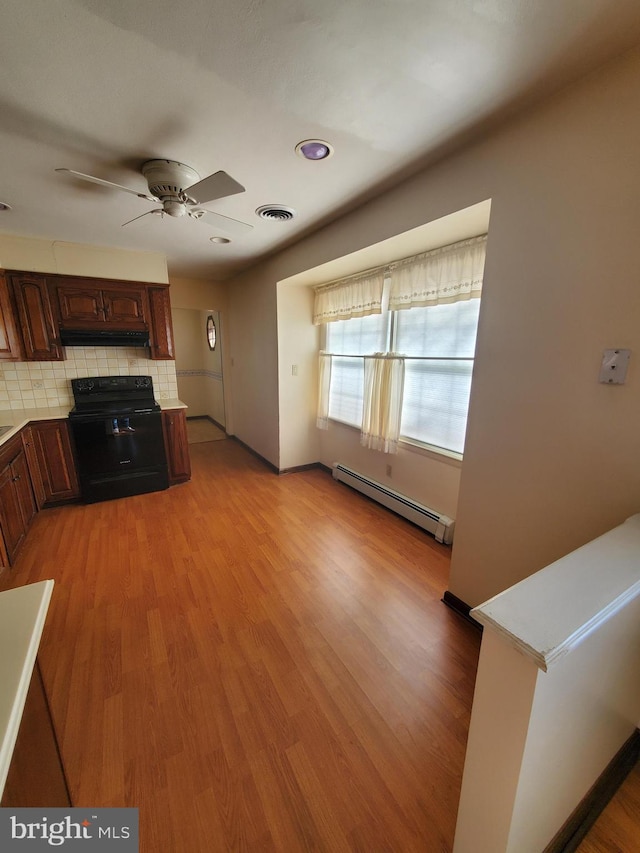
100, 86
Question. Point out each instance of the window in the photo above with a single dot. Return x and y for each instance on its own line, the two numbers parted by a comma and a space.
411, 356
211, 332
439, 342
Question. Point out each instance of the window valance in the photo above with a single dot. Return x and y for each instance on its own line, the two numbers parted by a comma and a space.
450, 274
357, 296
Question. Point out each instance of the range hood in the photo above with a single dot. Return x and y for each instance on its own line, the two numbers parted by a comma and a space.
104, 338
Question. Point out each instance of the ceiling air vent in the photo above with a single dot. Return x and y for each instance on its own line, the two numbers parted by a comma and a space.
275, 212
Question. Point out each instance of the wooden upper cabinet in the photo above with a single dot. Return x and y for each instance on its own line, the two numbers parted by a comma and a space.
35, 307
39, 331
10, 341
126, 307
79, 305
87, 304
161, 325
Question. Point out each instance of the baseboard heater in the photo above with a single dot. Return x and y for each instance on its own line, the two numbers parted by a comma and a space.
441, 526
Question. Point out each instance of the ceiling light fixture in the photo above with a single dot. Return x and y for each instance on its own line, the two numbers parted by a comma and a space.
219, 239
314, 149
4, 206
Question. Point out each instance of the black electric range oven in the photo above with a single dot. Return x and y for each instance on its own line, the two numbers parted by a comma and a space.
117, 430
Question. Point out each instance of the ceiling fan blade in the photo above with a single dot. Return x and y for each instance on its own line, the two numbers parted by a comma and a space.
157, 210
107, 184
224, 223
218, 185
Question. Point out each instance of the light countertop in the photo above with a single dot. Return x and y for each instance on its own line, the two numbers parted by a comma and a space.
172, 404
17, 419
22, 616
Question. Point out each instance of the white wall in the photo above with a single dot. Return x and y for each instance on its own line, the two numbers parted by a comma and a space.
549, 450
431, 479
297, 345
186, 333
206, 392
198, 369
54, 256
549, 459
213, 382
253, 359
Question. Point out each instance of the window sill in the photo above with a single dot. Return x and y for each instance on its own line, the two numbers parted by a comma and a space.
431, 450
450, 457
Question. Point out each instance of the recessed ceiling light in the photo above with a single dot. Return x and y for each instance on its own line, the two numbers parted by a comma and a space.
4, 206
220, 239
314, 149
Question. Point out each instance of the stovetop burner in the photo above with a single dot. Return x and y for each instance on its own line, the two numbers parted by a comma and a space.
110, 395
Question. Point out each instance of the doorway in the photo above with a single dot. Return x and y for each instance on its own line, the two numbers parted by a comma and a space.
199, 363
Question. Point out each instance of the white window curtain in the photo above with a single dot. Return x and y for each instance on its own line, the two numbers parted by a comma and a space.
382, 408
358, 296
450, 274
324, 388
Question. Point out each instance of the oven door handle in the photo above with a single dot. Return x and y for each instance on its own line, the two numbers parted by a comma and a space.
105, 416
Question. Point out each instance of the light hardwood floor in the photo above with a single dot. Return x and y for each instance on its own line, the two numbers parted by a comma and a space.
256, 662
617, 830
262, 663
202, 429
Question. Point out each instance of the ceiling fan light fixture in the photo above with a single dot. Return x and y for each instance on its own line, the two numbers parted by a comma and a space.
171, 184
314, 149
174, 208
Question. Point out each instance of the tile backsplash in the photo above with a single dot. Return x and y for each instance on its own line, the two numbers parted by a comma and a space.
42, 384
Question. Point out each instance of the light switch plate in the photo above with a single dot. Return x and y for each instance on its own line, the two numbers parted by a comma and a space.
613, 370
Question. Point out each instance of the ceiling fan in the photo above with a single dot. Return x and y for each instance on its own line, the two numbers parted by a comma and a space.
180, 191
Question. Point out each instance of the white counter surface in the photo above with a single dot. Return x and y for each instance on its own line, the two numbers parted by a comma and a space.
172, 404
549, 613
19, 418
22, 616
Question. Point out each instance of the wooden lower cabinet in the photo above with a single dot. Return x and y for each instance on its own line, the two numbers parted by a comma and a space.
174, 424
36, 775
56, 462
29, 446
17, 503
